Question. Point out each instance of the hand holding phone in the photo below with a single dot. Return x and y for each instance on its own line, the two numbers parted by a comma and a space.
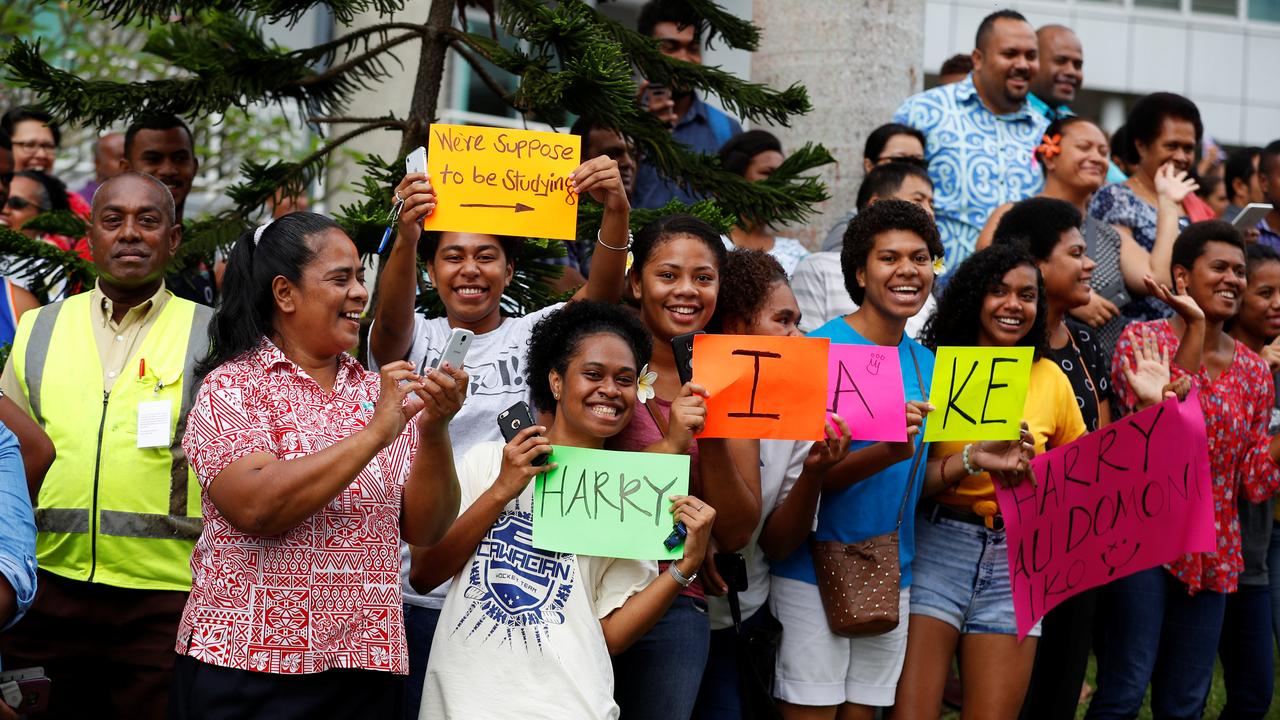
515, 419
454, 352
682, 348
416, 161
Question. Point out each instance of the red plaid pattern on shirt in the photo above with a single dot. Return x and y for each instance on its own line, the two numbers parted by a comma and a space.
325, 594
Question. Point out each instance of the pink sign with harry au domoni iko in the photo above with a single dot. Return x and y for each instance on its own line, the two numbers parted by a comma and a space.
1128, 497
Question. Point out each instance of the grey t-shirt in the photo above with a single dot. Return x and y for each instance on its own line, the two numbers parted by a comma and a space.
495, 364
1256, 520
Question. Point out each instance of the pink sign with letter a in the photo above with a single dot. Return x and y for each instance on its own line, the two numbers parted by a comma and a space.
864, 386
1130, 496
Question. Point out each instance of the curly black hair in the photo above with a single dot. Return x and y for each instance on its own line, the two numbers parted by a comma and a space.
880, 216
956, 321
669, 227
1037, 224
1191, 243
745, 281
558, 337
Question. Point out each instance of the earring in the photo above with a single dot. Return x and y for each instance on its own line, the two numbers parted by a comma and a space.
555, 395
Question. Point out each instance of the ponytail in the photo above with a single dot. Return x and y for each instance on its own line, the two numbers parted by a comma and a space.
245, 314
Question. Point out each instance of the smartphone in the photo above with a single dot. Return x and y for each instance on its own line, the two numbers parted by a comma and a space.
733, 570
455, 350
416, 161
682, 348
1250, 216
514, 419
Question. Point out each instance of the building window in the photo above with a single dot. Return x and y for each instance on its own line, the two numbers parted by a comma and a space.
1264, 10
1216, 7
1159, 4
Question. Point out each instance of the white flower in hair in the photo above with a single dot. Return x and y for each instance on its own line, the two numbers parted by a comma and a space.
257, 232
644, 389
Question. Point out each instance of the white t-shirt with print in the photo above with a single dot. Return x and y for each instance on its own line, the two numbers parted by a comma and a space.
520, 634
495, 363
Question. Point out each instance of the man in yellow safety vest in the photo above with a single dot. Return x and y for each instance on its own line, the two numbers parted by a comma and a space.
109, 375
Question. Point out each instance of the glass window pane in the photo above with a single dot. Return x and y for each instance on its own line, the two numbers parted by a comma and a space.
1264, 10
1159, 4
1217, 7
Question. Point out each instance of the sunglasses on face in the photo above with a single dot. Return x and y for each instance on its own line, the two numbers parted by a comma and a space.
18, 203
917, 161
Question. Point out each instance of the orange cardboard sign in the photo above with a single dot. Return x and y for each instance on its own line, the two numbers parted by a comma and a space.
500, 181
762, 386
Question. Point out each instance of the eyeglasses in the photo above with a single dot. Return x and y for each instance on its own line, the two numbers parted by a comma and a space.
909, 160
20, 203
33, 145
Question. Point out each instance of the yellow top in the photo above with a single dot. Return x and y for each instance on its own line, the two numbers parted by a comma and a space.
1052, 415
116, 342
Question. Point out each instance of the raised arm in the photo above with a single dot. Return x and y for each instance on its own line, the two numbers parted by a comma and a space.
641, 611
392, 333
430, 502
600, 178
788, 524
260, 494
874, 458
432, 565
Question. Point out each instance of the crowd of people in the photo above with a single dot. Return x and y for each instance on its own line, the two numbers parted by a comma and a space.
213, 509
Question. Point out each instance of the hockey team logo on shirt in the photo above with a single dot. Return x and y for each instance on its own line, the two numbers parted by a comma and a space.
515, 589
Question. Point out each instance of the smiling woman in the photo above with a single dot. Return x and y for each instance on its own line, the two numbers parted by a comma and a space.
471, 272
309, 463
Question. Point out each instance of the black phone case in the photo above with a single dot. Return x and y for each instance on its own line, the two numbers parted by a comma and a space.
682, 349
513, 420
733, 570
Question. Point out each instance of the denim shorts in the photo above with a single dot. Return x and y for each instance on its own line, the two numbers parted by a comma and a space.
960, 575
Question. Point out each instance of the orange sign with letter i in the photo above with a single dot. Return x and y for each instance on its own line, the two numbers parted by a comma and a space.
500, 181
762, 386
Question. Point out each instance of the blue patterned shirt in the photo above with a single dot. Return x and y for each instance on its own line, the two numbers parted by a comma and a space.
978, 160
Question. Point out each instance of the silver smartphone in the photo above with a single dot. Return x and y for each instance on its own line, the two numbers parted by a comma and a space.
1250, 215
416, 161
455, 350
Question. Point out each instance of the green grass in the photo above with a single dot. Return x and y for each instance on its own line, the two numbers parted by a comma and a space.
1213, 708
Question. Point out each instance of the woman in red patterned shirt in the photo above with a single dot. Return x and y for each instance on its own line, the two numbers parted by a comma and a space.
306, 463
1161, 626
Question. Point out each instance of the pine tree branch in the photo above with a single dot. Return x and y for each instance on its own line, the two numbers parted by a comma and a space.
503, 94
264, 179
44, 264
362, 60
149, 11
354, 121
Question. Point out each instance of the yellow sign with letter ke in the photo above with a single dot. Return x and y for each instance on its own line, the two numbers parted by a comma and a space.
501, 181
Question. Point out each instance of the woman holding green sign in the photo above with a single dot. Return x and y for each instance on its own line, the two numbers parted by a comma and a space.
676, 278
962, 598
527, 631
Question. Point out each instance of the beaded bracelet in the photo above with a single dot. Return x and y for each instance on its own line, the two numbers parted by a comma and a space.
964, 458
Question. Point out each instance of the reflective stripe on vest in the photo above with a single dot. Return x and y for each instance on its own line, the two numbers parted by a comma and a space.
103, 473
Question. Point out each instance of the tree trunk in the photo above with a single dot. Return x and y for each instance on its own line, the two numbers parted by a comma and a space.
859, 60
426, 88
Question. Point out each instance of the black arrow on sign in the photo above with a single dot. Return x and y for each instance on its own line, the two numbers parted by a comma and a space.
518, 207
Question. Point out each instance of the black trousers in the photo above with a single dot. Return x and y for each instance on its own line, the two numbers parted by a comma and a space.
208, 692
1062, 656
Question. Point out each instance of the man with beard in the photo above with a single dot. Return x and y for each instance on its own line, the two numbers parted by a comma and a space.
162, 146
980, 133
694, 124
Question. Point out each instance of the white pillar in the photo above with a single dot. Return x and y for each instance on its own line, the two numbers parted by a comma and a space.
859, 61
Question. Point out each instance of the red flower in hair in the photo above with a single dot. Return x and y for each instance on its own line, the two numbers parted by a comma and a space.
1049, 147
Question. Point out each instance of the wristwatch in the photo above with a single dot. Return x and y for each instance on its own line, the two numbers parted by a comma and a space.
679, 577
